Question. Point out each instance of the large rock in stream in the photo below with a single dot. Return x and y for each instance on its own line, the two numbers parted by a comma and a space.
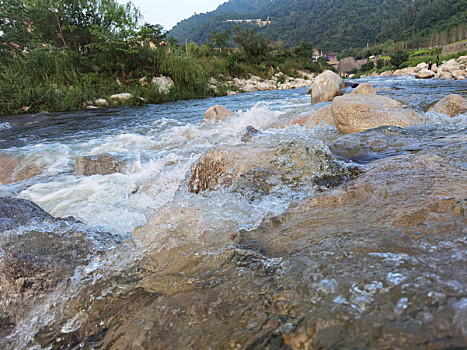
326, 86
37, 252
14, 170
354, 113
358, 111
265, 166
452, 105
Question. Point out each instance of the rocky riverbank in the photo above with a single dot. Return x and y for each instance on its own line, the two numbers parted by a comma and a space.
454, 69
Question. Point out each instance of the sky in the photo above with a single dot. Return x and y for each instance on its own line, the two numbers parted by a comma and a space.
169, 12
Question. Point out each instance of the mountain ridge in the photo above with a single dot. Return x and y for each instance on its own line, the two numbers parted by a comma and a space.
331, 25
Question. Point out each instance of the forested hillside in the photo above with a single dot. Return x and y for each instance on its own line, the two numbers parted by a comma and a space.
337, 24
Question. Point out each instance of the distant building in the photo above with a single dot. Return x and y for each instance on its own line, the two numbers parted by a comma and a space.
258, 22
316, 55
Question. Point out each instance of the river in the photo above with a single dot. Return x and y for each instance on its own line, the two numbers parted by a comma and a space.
373, 272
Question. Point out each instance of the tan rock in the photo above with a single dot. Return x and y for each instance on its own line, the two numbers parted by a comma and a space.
101, 102
102, 164
216, 113
451, 105
364, 89
445, 75
354, 113
425, 74
386, 73
322, 115
405, 71
459, 74
14, 170
326, 86
400, 193
260, 167
123, 97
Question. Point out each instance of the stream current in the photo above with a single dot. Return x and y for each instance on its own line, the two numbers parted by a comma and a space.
180, 283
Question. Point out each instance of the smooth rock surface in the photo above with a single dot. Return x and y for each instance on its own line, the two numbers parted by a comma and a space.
364, 89
123, 97
14, 170
354, 113
216, 113
425, 74
451, 105
326, 86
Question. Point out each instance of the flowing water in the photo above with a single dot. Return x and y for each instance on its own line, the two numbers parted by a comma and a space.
246, 266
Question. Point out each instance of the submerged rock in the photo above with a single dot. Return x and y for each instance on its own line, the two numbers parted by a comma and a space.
451, 105
216, 113
354, 113
102, 164
326, 86
249, 134
386, 246
14, 170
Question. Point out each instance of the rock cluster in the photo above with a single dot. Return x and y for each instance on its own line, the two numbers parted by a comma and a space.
454, 69
358, 111
279, 81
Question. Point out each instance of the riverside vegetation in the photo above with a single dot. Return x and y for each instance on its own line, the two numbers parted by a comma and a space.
57, 55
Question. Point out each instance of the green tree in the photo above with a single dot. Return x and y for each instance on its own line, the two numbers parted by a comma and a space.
15, 35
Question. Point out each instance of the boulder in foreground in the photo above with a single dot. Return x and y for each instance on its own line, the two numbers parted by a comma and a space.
425, 74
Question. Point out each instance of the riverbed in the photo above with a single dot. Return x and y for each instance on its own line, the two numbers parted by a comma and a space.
375, 259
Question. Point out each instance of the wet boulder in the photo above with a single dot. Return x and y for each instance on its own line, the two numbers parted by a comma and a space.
14, 170
451, 105
37, 252
326, 86
354, 113
216, 113
263, 167
249, 133
364, 89
102, 164
404, 193
425, 74
321, 116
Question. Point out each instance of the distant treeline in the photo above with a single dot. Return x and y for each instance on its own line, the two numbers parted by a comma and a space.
334, 25
55, 55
